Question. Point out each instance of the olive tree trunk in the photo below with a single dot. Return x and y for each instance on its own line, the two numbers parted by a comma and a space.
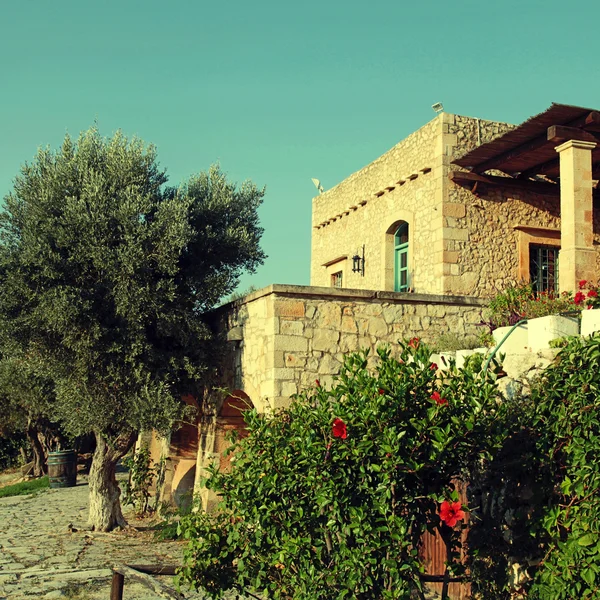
105, 505
39, 456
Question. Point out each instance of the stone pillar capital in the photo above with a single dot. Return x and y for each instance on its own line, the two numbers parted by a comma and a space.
579, 144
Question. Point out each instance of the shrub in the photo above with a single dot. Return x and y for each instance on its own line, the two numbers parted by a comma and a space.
329, 498
567, 401
10, 449
520, 302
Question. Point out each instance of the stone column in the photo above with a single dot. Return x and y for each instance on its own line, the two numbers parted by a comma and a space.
577, 258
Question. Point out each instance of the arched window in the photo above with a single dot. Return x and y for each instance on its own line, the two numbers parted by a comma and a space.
401, 280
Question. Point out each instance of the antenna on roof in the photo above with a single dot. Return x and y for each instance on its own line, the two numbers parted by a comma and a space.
317, 184
438, 107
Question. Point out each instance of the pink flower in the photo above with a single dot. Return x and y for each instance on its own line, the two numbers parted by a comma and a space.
339, 429
438, 399
451, 513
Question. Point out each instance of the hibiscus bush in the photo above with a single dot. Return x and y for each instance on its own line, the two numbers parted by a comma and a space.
330, 498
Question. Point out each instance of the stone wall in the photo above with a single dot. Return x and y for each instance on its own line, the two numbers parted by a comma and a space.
408, 183
283, 338
365, 209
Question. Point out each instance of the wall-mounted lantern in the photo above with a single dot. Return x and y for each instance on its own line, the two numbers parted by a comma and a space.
358, 262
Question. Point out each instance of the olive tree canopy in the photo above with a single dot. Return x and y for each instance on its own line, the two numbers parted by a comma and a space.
105, 274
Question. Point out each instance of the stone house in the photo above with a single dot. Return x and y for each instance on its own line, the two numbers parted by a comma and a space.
465, 206
410, 245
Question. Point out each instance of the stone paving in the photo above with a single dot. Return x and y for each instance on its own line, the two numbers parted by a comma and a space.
47, 550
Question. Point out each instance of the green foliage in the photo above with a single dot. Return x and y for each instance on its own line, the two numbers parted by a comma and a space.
567, 405
560, 342
105, 274
10, 446
451, 342
25, 487
520, 302
142, 474
539, 498
309, 515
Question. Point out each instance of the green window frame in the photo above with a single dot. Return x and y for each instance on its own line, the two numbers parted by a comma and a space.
401, 272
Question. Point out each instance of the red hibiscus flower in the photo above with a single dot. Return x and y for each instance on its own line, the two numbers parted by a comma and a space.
433, 367
339, 429
582, 283
451, 513
318, 383
438, 399
414, 342
381, 391
592, 294
579, 298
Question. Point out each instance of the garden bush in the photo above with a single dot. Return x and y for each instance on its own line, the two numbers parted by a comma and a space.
520, 301
330, 498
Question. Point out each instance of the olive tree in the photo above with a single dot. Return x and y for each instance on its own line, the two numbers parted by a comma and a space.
105, 276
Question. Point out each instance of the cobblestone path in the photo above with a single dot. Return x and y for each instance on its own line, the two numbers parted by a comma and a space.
47, 550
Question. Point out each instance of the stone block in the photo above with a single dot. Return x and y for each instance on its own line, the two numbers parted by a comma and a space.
290, 343
377, 327
329, 365
590, 321
349, 324
393, 313
450, 256
325, 340
288, 388
291, 327
516, 343
451, 233
454, 209
348, 343
544, 329
329, 315
294, 360
290, 308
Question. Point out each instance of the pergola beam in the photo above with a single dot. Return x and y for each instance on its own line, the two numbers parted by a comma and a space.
590, 122
561, 133
546, 189
464, 178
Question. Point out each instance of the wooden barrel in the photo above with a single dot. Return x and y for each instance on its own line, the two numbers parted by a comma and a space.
62, 468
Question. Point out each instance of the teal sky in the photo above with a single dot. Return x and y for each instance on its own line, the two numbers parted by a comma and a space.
280, 92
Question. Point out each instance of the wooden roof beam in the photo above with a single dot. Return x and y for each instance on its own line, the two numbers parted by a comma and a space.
558, 134
544, 168
496, 161
466, 179
589, 122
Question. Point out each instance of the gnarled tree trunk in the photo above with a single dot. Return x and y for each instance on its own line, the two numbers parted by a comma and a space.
39, 456
105, 506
